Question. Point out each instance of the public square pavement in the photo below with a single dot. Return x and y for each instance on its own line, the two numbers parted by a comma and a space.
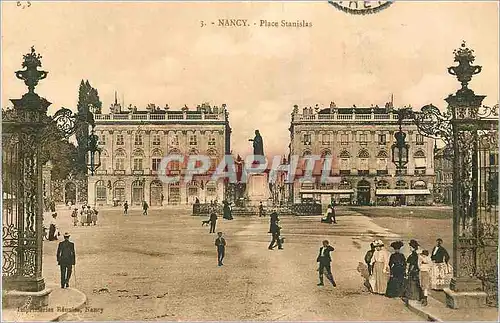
163, 267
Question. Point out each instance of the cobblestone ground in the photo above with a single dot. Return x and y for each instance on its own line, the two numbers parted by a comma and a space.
163, 267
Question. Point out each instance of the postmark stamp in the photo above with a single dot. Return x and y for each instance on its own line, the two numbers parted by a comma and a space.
360, 7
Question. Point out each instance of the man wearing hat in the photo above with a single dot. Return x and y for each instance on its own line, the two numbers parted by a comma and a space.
325, 260
66, 259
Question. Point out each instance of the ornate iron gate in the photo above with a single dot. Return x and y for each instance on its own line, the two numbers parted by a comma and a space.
470, 131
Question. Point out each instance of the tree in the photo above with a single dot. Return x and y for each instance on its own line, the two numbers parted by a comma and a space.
87, 97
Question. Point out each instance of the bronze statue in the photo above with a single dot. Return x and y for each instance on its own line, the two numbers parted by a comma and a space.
258, 145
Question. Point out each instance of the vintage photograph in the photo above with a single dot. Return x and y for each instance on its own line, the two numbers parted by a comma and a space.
249, 161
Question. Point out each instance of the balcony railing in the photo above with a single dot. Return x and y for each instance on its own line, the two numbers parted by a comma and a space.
104, 118
346, 117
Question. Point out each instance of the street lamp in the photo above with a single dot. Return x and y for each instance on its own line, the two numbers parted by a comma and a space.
93, 152
400, 148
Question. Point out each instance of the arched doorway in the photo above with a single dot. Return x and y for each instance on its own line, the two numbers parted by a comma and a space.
137, 192
174, 193
363, 192
100, 192
119, 192
156, 190
70, 193
192, 188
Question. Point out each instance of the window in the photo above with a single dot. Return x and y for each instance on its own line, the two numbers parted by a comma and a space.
175, 140
493, 159
138, 139
137, 163
307, 139
100, 191
102, 139
104, 164
420, 161
344, 139
420, 139
156, 140
193, 140
119, 140
325, 139
211, 141
155, 164
363, 137
382, 139
175, 165
120, 163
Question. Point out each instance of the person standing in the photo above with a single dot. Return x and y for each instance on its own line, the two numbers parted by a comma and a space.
261, 210
220, 243
397, 266
74, 215
94, 215
332, 205
380, 263
145, 207
161, 199
324, 259
276, 232
89, 215
125, 208
413, 290
425, 265
213, 221
368, 258
66, 259
53, 229
442, 272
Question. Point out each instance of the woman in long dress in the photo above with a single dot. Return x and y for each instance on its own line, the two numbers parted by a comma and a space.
413, 290
380, 263
53, 230
397, 265
442, 271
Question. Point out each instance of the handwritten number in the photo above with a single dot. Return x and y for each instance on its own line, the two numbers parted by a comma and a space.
202, 23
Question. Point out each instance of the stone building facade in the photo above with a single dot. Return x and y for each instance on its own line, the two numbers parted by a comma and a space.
444, 177
359, 140
134, 142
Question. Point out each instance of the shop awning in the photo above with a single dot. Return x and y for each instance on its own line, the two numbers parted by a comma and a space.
402, 192
350, 191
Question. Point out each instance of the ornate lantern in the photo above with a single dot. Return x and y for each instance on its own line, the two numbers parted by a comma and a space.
400, 150
93, 152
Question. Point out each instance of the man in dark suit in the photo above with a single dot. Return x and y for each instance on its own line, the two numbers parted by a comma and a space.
324, 260
439, 253
220, 243
66, 259
276, 232
213, 221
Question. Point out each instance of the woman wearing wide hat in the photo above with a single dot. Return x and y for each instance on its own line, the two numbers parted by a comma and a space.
397, 265
380, 263
413, 290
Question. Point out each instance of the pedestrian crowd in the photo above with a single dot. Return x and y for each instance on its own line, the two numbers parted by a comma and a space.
410, 278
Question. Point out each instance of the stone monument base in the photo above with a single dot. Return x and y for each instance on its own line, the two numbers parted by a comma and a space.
26, 300
258, 190
465, 293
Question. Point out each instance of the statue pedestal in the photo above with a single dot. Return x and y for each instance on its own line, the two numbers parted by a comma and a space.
258, 190
465, 293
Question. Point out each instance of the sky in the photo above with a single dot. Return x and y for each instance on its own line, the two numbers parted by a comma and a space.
154, 52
